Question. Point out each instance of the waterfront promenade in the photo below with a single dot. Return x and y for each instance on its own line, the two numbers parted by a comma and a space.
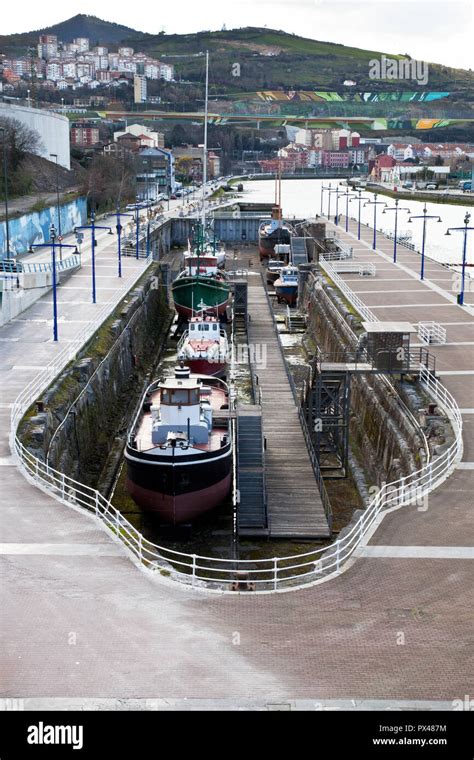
81, 623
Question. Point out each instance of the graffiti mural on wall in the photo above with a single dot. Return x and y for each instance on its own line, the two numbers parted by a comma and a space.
34, 228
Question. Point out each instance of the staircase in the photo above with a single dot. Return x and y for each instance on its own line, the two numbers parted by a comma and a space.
299, 253
295, 322
251, 508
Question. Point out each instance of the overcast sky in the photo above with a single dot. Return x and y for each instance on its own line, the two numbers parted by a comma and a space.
440, 31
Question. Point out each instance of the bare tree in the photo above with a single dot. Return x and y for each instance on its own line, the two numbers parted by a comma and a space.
110, 180
20, 141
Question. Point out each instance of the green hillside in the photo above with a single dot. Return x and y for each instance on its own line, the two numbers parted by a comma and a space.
271, 59
266, 58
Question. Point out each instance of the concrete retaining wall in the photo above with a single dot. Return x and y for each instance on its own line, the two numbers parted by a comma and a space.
34, 227
94, 399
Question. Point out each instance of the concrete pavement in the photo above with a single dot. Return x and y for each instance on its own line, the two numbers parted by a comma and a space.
82, 622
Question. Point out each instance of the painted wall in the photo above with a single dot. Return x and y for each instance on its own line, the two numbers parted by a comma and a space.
53, 129
34, 228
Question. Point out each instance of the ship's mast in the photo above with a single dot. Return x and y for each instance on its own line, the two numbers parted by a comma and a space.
204, 156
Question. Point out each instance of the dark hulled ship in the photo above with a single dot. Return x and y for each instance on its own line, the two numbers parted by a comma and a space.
179, 453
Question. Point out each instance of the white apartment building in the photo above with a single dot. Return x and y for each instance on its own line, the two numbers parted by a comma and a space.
400, 151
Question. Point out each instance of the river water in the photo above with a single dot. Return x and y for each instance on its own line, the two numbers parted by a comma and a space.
302, 198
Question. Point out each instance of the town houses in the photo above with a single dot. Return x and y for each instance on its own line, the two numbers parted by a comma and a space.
72, 65
327, 148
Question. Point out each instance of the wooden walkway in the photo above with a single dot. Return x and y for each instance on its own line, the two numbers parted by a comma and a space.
294, 505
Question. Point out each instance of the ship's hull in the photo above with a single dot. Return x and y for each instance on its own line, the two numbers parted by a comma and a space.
272, 276
287, 293
182, 490
203, 367
189, 293
267, 243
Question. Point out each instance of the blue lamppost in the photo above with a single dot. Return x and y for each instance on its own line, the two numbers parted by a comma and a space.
52, 242
347, 195
338, 193
52, 236
359, 199
148, 238
396, 209
375, 203
464, 230
425, 216
119, 233
93, 227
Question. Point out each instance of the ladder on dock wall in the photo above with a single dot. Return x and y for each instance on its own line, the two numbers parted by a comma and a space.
251, 508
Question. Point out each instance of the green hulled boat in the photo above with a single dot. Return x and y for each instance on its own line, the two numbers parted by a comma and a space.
201, 284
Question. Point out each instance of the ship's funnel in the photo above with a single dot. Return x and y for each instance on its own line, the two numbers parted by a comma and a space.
182, 372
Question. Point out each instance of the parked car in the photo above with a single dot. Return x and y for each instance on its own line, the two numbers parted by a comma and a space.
465, 185
407, 185
431, 185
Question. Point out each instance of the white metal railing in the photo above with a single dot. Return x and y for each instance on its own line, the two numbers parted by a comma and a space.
348, 293
432, 332
271, 574
338, 255
360, 267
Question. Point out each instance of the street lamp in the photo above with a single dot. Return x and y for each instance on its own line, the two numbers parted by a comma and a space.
347, 195
396, 209
375, 203
93, 227
338, 193
55, 156
5, 188
464, 230
28, 98
323, 188
360, 197
52, 237
425, 216
119, 232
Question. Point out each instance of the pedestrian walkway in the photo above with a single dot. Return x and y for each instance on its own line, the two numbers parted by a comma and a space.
88, 626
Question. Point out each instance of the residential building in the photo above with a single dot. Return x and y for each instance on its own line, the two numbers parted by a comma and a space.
84, 134
82, 44
213, 165
139, 89
155, 172
318, 139
150, 139
335, 159
47, 46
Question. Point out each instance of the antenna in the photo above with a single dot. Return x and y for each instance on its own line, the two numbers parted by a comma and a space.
204, 156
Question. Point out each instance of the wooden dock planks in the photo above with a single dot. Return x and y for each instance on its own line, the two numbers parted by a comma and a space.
294, 505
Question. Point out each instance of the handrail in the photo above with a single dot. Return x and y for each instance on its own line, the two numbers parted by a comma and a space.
214, 573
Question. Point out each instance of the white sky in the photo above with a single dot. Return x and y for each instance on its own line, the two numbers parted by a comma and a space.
439, 31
